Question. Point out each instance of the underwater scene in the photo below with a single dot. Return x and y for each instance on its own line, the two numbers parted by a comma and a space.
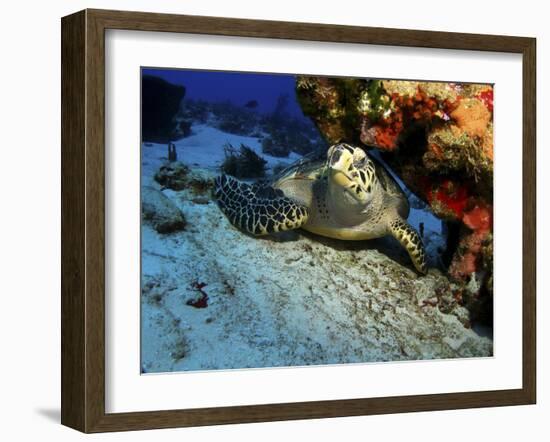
292, 220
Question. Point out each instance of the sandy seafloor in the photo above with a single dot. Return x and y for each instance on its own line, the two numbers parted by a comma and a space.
290, 301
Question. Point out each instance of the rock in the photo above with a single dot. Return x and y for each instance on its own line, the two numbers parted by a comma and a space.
160, 104
200, 182
295, 300
160, 211
177, 176
438, 137
172, 175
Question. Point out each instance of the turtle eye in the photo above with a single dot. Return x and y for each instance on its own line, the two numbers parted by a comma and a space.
360, 158
359, 155
362, 164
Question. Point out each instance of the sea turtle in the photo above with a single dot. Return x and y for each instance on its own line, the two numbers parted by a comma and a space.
349, 195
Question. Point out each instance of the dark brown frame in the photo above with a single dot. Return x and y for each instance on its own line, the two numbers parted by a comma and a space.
83, 216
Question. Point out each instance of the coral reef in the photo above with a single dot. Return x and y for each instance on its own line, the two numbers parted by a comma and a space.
438, 137
286, 133
233, 119
195, 110
281, 132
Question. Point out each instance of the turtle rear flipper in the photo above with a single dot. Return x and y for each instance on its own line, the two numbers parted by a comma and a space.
409, 239
257, 209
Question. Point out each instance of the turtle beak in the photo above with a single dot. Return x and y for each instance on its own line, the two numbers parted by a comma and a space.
340, 179
340, 163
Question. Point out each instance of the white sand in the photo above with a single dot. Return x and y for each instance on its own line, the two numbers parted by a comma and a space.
204, 149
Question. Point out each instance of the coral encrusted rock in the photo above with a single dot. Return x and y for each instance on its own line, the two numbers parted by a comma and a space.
438, 137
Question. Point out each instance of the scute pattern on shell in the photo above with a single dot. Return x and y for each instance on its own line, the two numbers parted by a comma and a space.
257, 209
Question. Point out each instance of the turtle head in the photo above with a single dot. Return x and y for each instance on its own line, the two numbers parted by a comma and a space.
352, 176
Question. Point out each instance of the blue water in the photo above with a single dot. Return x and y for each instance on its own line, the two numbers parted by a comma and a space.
237, 87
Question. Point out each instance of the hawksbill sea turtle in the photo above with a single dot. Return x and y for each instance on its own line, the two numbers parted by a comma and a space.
349, 196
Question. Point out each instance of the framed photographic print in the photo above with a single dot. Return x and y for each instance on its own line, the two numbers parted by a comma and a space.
268, 220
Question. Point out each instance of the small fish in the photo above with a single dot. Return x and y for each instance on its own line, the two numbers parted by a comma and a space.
252, 104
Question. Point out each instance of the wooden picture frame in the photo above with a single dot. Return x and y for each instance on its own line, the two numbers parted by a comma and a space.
83, 220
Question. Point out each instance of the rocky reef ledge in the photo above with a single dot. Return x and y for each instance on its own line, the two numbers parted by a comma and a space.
215, 298
438, 138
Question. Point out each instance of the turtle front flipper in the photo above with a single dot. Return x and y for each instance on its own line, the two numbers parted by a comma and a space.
257, 209
409, 239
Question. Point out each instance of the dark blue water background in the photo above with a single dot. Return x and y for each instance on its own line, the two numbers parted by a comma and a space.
237, 87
